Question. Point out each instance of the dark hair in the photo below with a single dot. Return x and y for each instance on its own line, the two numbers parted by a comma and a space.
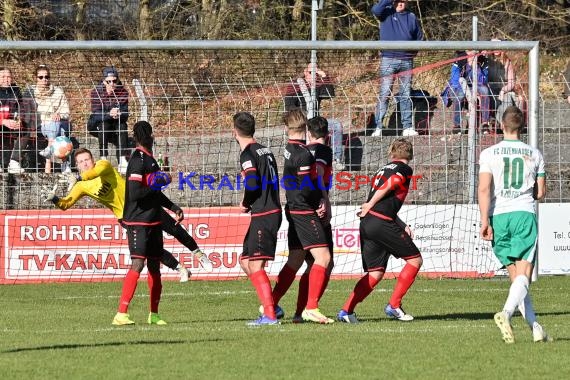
244, 123
79, 151
461, 54
513, 119
142, 133
318, 127
110, 70
42, 68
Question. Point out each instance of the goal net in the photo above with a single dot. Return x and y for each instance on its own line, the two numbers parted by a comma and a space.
189, 95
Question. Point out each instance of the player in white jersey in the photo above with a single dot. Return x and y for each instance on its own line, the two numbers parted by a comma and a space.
511, 178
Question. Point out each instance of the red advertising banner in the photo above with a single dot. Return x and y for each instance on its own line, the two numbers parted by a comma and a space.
89, 244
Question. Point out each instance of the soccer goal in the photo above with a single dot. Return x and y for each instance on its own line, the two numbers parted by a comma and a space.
189, 91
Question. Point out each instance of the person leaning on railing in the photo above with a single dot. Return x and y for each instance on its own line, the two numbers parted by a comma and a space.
503, 86
298, 95
17, 120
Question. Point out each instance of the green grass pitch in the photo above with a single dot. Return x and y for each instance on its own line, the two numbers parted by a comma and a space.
64, 331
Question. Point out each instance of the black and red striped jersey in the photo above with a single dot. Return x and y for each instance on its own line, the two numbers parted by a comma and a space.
300, 178
391, 203
142, 203
261, 179
323, 157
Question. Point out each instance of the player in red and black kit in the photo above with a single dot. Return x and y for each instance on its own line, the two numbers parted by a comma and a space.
261, 198
318, 130
142, 218
383, 233
306, 231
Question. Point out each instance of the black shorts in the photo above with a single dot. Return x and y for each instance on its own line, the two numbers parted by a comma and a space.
381, 238
309, 259
261, 238
306, 231
145, 241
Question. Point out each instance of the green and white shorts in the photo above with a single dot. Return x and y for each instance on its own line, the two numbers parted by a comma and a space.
515, 236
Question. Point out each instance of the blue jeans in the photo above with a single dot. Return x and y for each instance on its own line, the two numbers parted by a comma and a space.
388, 67
485, 105
484, 97
52, 129
457, 96
335, 131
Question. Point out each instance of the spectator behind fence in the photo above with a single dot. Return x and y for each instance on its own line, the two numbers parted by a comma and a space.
52, 109
298, 95
453, 93
17, 120
396, 24
108, 120
481, 64
566, 80
503, 84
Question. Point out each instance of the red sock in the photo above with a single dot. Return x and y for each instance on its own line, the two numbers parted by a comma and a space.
362, 289
303, 293
325, 284
155, 290
316, 285
284, 281
129, 287
262, 286
405, 280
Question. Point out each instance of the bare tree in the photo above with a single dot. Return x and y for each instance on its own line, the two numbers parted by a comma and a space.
10, 19
545, 20
213, 15
80, 34
145, 20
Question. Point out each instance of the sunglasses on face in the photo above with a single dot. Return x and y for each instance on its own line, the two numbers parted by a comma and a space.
109, 81
43, 76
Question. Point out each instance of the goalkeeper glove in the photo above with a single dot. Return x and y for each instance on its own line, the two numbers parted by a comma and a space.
48, 194
72, 179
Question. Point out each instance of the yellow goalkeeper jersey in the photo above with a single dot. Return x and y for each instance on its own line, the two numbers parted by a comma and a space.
102, 183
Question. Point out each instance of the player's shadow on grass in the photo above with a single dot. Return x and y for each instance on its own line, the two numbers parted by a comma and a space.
558, 339
95, 345
437, 317
469, 316
478, 316
209, 320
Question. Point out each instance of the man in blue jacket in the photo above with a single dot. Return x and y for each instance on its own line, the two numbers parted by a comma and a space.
396, 24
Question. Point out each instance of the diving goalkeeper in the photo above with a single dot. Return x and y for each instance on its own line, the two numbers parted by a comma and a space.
100, 181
